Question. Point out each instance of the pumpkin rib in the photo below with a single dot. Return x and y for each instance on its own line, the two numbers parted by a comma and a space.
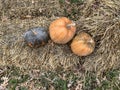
58, 35
69, 23
69, 33
84, 49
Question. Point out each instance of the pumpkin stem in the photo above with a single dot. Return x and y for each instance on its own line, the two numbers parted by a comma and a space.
71, 24
34, 32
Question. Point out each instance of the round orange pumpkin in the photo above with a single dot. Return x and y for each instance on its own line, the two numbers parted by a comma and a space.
62, 30
83, 44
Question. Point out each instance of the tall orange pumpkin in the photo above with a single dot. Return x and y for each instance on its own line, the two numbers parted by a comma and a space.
62, 30
83, 44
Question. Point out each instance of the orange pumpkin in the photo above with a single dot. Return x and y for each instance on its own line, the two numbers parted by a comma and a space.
83, 44
62, 30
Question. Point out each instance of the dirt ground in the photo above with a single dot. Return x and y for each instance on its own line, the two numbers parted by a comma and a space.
99, 18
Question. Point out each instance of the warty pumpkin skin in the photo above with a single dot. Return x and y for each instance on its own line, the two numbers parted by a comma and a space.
62, 30
83, 44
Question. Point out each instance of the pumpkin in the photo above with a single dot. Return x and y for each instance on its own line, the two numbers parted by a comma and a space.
83, 44
62, 30
36, 36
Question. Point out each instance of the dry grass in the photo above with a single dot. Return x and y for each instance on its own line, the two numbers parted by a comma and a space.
103, 23
100, 18
19, 9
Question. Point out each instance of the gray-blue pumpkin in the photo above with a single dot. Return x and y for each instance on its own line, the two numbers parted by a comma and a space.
36, 36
